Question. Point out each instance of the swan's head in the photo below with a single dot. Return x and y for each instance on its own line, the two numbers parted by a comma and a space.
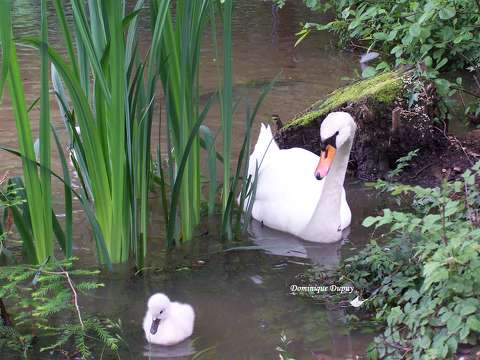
337, 129
158, 306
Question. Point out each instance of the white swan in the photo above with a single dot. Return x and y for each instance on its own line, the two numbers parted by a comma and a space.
166, 322
297, 191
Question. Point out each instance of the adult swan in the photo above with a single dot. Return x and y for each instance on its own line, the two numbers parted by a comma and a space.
297, 191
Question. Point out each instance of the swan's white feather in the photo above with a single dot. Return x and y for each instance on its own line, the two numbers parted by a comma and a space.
287, 191
176, 327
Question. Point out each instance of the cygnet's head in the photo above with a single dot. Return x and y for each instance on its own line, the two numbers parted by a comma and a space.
158, 306
337, 129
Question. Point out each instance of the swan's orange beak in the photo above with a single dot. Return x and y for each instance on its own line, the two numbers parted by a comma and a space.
326, 159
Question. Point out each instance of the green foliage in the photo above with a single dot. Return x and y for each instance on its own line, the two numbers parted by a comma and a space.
440, 34
282, 348
107, 97
401, 164
45, 300
37, 183
424, 281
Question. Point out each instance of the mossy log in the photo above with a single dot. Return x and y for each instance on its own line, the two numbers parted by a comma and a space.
388, 127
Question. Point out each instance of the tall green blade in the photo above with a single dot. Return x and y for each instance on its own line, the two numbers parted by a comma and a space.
226, 98
5, 38
45, 148
34, 188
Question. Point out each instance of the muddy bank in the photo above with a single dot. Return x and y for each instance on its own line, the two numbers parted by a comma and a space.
429, 168
395, 114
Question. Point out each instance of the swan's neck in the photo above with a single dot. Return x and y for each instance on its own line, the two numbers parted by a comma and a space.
325, 222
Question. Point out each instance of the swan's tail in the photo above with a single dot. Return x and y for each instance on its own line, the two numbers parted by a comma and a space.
265, 145
264, 148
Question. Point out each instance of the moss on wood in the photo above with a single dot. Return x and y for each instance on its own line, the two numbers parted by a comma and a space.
383, 88
388, 126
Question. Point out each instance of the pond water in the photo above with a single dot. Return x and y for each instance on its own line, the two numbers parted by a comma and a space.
240, 291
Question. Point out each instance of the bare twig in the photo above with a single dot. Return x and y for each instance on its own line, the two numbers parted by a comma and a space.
398, 347
72, 288
444, 227
4, 178
471, 93
467, 205
422, 170
75, 296
352, 44
475, 77
444, 230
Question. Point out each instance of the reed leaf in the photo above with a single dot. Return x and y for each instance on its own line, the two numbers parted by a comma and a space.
181, 171
36, 185
226, 100
209, 141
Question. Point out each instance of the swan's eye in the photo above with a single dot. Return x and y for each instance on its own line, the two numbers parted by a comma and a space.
161, 312
332, 140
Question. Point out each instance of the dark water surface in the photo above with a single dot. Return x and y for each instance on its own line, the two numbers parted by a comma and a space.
241, 296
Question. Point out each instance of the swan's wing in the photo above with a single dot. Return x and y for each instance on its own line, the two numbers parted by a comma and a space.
287, 191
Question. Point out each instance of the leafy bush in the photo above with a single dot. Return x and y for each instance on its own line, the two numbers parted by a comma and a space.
424, 282
441, 34
37, 295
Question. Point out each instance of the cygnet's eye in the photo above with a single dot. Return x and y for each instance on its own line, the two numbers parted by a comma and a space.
161, 312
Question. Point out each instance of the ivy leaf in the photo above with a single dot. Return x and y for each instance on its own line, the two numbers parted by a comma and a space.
441, 63
368, 72
380, 36
447, 12
415, 30
473, 323
425, 342
369, 221
468, 309
453, 323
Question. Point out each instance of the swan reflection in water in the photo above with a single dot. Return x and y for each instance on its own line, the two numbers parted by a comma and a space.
183, 350
274, 242
326, 256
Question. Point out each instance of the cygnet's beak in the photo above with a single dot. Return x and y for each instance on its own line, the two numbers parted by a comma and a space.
325, 162
154, 328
